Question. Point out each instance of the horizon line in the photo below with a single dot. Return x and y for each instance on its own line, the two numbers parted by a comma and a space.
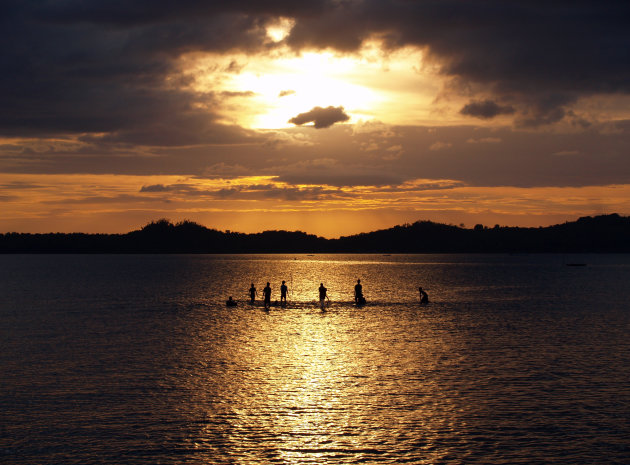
229, 231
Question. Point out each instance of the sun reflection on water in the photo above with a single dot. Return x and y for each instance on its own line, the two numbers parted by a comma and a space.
159, 370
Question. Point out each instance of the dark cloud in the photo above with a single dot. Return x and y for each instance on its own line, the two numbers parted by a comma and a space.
156, 188
528, 53
523, 158
232, 94
16, 185
99, 74
102, 199
547, 109
248, 192
343, 157
321, 117
343, 177
486, 109
100, 66
177, 129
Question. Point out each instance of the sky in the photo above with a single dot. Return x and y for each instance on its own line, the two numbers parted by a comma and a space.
333, 117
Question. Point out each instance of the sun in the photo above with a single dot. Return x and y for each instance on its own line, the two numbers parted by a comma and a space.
287, 86
265, 91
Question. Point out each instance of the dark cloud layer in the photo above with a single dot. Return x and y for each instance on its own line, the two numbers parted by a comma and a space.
101, 67
321, 117
486, 109
361, 156
539, 56
247, 192
97, 66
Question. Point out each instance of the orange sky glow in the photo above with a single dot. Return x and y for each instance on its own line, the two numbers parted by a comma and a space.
294, 123
119, 203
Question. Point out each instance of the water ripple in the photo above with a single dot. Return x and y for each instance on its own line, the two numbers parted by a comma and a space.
137, 360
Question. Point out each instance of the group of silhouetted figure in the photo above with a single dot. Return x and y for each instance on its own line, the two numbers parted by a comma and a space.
359, 299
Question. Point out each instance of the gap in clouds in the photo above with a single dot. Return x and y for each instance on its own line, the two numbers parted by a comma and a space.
512, 100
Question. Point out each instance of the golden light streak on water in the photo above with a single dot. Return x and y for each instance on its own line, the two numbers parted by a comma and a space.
136, 359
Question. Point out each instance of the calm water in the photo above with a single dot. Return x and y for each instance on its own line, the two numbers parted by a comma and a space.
136, 360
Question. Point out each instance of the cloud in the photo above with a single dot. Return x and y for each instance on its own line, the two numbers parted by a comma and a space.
111, 68
270, 190
345, 178
322, 117
284, 93
440, 146
486, 109
226, 170
484, 140
281, 138
541, 57
566, 153
232, 94
156, 188
102, 67
332, 172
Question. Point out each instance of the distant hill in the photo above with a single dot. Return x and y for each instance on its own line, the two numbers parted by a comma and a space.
606, 233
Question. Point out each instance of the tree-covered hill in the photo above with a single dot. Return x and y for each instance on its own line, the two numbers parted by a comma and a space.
606, 233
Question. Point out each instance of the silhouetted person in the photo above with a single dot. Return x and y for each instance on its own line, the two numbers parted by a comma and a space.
358, 292
252, 293
283, 293
230, 302
322, 294
424, 297
267, 295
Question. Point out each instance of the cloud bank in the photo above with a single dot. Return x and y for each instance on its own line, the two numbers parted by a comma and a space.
108, 88
96, 66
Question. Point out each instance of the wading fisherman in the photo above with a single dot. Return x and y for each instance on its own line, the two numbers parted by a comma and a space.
358, 293
267, 295
322, 295
252, 293
424, 297
283, 294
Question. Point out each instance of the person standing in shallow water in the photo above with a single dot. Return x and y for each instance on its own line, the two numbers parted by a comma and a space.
358, 292
322, 295
267, 295
424, 297
283, 294
252, 293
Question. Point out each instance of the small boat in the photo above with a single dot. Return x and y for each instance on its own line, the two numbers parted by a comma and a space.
576, 264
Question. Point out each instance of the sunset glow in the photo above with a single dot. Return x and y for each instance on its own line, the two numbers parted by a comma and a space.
333, 120
44, 203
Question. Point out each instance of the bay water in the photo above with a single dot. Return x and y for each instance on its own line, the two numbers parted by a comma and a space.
135, 359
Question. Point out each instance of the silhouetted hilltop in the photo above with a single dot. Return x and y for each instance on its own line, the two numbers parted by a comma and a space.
421, 236
606, 233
